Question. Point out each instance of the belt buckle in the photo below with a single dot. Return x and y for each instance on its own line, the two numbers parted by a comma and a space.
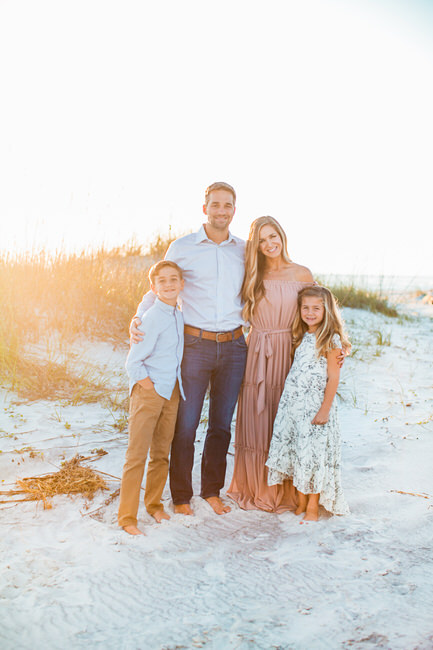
217, 334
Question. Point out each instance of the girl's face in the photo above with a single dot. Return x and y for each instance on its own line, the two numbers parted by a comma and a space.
312, 312
270, 243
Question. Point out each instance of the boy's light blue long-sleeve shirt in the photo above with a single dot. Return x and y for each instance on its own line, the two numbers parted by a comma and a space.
159, 355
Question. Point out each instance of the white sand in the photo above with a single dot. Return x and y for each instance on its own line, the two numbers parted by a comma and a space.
246, 580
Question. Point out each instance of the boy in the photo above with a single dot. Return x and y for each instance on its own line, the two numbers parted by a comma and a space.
155, 383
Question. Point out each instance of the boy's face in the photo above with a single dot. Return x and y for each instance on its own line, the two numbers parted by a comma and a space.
167, 285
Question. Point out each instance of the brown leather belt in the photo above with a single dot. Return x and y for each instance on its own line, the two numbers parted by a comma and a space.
219, 337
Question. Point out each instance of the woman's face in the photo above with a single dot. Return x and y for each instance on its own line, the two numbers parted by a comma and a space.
270, 243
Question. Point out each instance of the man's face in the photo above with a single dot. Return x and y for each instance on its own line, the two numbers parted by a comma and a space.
219, 209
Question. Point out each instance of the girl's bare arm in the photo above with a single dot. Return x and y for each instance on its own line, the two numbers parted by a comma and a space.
322, 414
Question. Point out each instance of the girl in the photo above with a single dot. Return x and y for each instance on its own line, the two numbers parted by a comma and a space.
305, 443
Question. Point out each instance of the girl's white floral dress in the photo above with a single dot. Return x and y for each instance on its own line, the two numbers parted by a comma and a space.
308, 453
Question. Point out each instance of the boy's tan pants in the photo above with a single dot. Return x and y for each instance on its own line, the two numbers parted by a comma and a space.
151, 424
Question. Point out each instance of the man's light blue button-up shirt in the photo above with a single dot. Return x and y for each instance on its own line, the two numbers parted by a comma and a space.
213, 273
159, 355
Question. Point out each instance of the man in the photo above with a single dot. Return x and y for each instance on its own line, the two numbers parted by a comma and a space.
212, 261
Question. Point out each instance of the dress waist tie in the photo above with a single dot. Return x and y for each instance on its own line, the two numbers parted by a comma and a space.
263, 350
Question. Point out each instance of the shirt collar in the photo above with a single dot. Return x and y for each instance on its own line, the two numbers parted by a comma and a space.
201, 236
163, 305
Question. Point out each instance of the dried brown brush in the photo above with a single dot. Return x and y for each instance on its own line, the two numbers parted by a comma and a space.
72, 478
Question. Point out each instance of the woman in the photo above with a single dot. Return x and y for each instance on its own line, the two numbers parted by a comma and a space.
270, 291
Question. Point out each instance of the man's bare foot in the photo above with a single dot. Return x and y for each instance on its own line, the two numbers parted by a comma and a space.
132, 530
217, 505
183, 509
159, 515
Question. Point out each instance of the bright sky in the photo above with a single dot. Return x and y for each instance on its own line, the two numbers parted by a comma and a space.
116, 114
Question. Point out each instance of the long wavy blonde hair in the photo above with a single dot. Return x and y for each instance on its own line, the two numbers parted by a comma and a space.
255, 262
331, 324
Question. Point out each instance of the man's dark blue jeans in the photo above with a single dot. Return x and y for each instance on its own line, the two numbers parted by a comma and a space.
222, 366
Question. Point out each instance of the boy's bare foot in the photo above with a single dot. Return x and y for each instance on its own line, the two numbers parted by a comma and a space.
159, 515
183, 509
311, 515
132, 530
217, 505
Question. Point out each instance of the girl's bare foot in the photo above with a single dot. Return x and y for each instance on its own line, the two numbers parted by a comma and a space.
159, 515
311, 516
132, 530
302, 503
217, 505
183, 509
312, 511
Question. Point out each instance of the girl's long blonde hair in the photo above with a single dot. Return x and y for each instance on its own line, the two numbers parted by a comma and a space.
331, 324
252, 287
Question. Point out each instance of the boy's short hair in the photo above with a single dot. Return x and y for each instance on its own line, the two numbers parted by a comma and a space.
219, 186
162, 264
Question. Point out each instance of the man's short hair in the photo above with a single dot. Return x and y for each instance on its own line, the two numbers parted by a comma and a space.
219, 186
162, 264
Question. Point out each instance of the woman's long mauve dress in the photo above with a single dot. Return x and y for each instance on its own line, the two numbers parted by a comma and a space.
268, 363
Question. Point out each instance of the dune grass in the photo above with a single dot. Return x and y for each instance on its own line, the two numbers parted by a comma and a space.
63, 297
92, 294
358, 298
